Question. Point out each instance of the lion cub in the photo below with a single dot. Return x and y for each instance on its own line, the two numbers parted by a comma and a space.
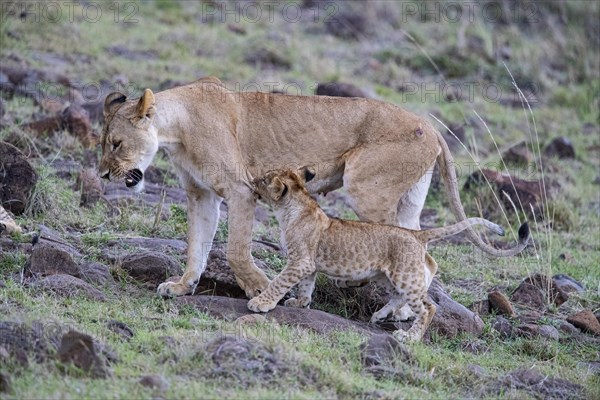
349, 250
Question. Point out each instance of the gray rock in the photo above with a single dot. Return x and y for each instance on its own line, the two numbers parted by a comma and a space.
549, 332
5, 384
536, 384
49, 259
452, 318
560, 147
383, 349
151, 267
80, 350
69, 286
97, 274
121, 329
503, 327
156, 382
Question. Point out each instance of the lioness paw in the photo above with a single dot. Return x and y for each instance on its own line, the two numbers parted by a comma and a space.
259, 305
173, 289
254, 286
403, 314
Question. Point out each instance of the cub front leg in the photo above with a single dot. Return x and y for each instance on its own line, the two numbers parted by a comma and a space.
203, 216
293, 273
304, 292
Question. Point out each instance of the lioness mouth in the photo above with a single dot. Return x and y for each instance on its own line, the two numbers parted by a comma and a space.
133, 177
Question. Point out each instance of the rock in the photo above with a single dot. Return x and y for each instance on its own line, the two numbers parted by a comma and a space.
590, 366
49, 259
69, 286
121, 329
529, 296
339, 89
452, 318
449, 134
536, 384
244, 360
568, 328
5, 385
518, 155
528, 330
250, 319
564, 286
549, 332
77, 121
476, 370
229, 309
97, 274
268, 57
549, 288
80, 350
503, 327
348, 24
2, 108
530, 316
150, 266
475, 347
90, 185
383, 349
499, 302
44, 126
481, 307
37, 339
156, 382
586, 321
2, 284
560, 147
17, 179
528, 192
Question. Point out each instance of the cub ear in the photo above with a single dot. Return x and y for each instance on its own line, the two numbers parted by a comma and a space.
112, 102
145, 107
277, 189
307, 173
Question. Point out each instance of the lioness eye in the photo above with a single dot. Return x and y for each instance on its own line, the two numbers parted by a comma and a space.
116, 145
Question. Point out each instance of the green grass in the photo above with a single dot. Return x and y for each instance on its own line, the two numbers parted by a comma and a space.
186, 49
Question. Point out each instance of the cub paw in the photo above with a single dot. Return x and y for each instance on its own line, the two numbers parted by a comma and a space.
173, 289
403, 314
302, 302
406, 336
254, 286
259, 305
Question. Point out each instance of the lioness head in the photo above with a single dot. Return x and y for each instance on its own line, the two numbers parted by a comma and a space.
275, 185
129, 141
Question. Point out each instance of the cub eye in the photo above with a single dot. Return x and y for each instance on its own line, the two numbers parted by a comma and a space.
116, 145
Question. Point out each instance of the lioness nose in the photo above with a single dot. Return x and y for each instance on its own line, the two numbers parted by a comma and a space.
106, 175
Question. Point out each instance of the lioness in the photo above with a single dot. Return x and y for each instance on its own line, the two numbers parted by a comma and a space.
7, 224
217, 139
350, 250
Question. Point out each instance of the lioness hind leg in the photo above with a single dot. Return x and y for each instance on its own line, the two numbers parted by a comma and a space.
304, 292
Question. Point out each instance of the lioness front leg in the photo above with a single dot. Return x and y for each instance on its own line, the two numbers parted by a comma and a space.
241, 215
293, 273
203, 216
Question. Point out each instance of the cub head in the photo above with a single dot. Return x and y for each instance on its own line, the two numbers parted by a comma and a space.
277, 186
129, 140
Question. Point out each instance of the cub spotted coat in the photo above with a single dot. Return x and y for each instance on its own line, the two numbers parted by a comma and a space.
350, 250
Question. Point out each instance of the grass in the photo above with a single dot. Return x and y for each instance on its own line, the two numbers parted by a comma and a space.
183, 48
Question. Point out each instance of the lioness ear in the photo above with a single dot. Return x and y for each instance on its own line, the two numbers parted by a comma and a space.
278, 189
307, 173
112, 102
145, 107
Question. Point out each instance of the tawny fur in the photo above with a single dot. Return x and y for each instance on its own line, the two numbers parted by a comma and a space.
217, 139
7, 224
348, 250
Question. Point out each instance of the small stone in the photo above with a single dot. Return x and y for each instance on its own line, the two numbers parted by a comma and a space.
69, 286
481, 307
475, 347
47, 259
503, 327
150, 266
518, 154
121, 329
80, 350
586, 321
499, 302
528, 330
529, 296
4, 354
560, 147
156, 382
567, 327
5, 385
383, 349
476, 370
549, 332
2, 284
